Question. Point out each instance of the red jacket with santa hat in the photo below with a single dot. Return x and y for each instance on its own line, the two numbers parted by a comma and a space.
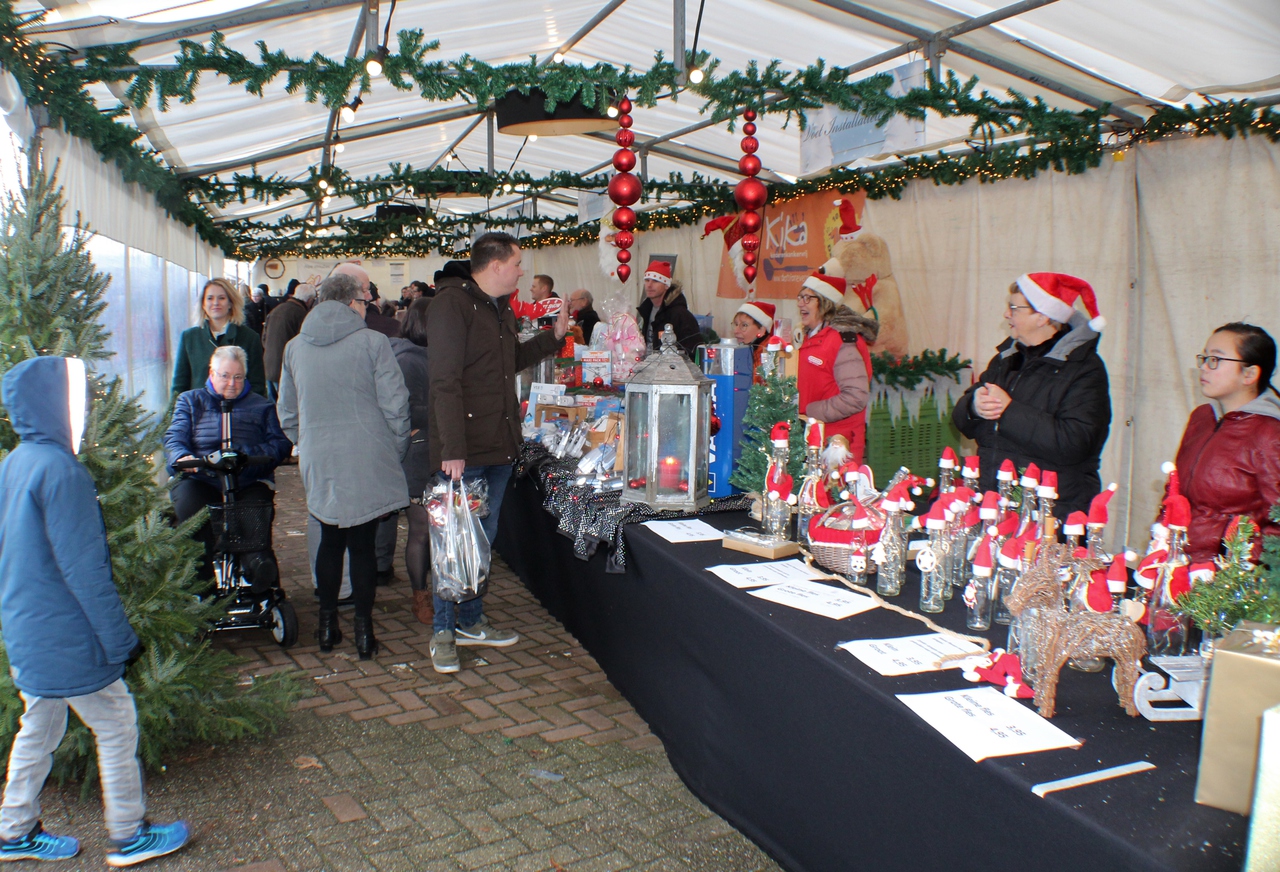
1230, 465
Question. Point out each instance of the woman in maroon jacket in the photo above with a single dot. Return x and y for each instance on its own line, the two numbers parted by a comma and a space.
1229, 459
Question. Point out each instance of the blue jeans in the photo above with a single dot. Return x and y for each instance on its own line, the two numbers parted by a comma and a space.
469, 613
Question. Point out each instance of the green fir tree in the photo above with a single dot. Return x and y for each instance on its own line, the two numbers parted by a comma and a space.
51, 298
774, 399
1239, 590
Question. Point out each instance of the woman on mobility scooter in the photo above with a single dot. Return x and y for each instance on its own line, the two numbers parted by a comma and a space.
194, 446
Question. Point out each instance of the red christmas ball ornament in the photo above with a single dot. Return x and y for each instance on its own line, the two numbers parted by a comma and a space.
624, 189
624, 218
750, 194
624, 121
624, 273
748, 272
750, 144
750, 242
623, 239
750, 222
624, 105
748, 165
598, 381
624, 160
715, 424
624, 256
749, 129
625, 138
683, 486
750, 115
749, 258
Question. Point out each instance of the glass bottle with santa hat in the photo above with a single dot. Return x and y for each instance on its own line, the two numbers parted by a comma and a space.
813, 498
778, 485
890, 552
1167, 629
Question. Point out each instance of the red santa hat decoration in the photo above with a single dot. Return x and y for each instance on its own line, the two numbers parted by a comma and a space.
658, 271
1007, 472
849, 225
1177, 510
733, 233
971, 472
827, 285
1054, 294
761, 313
1075, 524
1098, 507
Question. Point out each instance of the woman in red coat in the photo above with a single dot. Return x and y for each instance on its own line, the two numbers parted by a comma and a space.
834, 376
1229, 459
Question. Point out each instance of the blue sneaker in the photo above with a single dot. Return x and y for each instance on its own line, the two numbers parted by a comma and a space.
39, 845
151, 841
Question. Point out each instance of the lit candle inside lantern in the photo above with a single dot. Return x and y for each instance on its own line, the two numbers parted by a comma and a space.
669, 472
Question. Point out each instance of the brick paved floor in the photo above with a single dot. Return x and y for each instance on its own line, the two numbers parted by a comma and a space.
528, 759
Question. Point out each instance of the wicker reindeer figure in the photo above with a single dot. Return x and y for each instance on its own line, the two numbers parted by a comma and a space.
1064, 635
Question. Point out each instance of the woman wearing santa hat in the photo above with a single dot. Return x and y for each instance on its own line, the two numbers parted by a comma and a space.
1045, 397
751, 326
1229, 459
664, 304
834, 375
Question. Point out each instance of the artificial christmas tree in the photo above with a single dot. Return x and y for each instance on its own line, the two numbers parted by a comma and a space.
772, 398
185, 690
1238, 590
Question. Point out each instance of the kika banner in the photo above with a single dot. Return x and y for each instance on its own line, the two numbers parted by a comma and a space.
795, 240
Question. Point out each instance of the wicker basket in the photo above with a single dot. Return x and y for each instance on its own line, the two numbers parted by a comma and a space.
916, 446
834, 556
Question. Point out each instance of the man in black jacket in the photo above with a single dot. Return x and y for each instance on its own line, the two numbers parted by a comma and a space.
1045, 397
664, 304
583, 315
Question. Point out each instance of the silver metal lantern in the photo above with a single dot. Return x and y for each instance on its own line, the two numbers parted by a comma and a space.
668, 431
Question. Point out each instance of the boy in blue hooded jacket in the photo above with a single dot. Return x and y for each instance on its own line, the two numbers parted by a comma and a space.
64, 626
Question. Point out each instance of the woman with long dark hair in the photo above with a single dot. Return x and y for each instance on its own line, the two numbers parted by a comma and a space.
1229, 459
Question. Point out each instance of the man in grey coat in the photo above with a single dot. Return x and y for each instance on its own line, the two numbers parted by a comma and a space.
343, 402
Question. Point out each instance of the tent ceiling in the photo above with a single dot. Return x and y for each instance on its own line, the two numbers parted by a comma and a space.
1072, 53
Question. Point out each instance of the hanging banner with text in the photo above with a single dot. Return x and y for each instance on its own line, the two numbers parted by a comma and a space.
795, 240
835, 137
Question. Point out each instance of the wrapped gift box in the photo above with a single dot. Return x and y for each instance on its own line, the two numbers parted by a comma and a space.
1244, 683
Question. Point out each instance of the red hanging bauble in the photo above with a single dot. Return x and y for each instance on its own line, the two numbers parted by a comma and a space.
748, 164
624, 256
598, 381
624, 121
750, 144
750, 222
624, 105
625, 138
750, 242
623, 239
748, 272
624, 272
750, 194
715, 424
624, 160
750, 115
749, 258
624, 218
749, 129
624, 189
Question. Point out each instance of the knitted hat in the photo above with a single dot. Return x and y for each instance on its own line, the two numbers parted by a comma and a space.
1048, 487
1075, 524
659, 271
1098, 507
971, 467
1008, 472
1031, 478
849, 225
761, 313
1052, 295
829, 286
781, 434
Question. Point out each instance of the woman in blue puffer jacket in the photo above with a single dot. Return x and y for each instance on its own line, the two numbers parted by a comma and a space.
196, 431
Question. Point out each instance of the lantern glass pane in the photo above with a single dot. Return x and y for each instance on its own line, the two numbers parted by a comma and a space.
704, 452
675, 432
637, 448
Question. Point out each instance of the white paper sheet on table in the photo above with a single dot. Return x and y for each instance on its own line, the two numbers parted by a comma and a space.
821, 599
692, 530
910, 654
983, 722
745, 575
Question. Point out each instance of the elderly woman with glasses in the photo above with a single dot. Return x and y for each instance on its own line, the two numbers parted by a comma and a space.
834, 376
196, 431
1045, 397
1229, 459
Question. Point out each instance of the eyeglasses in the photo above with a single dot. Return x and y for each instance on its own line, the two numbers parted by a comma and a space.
806, 298
1212, 360
231, 378
1010, 308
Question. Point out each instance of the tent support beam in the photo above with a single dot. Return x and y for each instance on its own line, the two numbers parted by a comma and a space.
457, 142
592, 23
488, 157
678, 37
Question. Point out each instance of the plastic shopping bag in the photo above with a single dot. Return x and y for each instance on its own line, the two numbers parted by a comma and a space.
460, 551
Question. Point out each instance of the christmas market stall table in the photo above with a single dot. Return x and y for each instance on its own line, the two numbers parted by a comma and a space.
809, 753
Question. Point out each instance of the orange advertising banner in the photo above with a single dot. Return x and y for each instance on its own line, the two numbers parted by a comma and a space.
795, 240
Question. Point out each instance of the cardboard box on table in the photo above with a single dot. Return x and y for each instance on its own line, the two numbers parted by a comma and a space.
1244, 682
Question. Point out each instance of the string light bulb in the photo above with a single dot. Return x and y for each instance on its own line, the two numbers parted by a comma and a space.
558, 57
696, 76
612, 112
348, 111
374, 65
338, 146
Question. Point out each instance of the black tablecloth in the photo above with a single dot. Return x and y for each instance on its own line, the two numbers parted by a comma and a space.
808, 752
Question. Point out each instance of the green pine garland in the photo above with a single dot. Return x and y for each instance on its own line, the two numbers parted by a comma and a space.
906, 373
51, 299
1053, 139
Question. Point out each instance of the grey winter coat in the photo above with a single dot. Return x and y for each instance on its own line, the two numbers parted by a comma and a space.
344, 404
413, 364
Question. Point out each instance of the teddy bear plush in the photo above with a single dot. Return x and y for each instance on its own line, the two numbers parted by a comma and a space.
867, 269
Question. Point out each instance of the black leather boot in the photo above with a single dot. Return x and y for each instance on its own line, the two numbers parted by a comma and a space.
366, 645
328, 634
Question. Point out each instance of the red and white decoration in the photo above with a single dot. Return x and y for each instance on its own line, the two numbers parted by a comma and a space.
750, 194
624, 190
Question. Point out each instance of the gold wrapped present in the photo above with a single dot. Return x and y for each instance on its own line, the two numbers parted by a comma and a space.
1244, 682
1264, 828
